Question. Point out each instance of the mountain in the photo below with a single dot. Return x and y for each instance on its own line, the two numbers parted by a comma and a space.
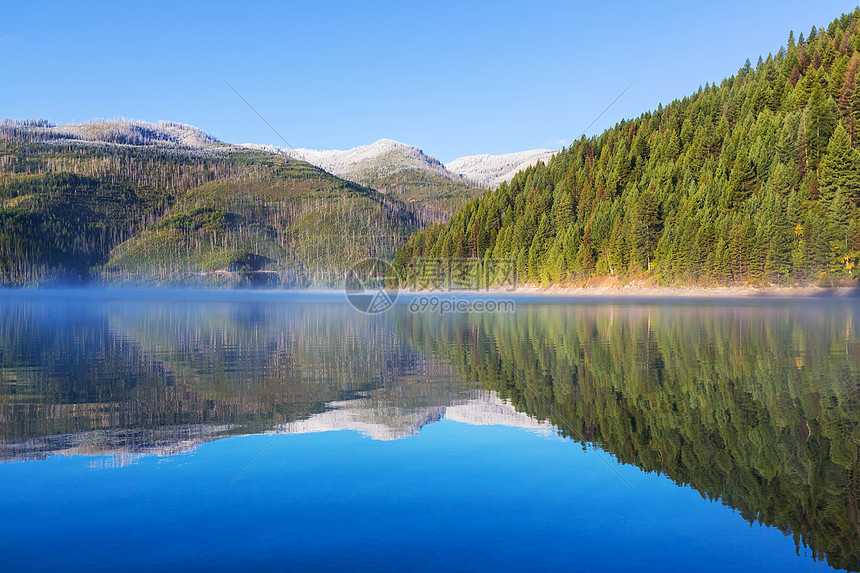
165, 203
127, 202
130, 132
752, 181
382, 158
396, 169
434, 190
493, 170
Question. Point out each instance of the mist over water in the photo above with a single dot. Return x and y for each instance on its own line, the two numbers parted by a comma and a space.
627, 434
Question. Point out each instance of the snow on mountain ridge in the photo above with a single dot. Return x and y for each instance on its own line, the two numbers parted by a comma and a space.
492, 170
382, 158
127, 132
387, 157
371, 418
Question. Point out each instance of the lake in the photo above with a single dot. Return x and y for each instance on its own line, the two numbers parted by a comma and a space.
266, 431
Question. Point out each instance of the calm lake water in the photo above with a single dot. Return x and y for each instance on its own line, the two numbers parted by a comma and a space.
214, 431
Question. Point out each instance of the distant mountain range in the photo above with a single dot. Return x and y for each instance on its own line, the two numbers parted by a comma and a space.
407, 172
387, 157
134, 202
130, 202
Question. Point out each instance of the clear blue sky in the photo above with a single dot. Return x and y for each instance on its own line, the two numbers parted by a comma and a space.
454, 79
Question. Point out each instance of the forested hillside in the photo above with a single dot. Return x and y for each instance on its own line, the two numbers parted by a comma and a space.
752, 181
123, 202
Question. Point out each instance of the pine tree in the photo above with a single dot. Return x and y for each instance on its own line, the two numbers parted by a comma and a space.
820, 123
780, 241
839, 168
540, 244
846, 99
742, 180
563, 212
645, 227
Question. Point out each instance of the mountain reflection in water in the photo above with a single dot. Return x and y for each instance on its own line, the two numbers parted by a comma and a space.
756, 404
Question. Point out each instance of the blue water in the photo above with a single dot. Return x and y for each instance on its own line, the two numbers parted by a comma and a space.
457, 497
137, 436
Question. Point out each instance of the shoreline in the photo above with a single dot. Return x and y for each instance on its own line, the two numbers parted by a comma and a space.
638, 291
595, 292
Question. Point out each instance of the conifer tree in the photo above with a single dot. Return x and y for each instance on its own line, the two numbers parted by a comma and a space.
839, 168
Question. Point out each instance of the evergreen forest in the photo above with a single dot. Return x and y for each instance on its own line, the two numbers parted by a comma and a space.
752, 180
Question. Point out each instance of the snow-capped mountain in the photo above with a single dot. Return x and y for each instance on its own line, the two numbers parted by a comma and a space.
396, 169
383, 158
434, 191
491, 170
386, 164
122, 131
386, 158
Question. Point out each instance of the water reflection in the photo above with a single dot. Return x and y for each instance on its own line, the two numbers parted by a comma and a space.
124, 376
757, 406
